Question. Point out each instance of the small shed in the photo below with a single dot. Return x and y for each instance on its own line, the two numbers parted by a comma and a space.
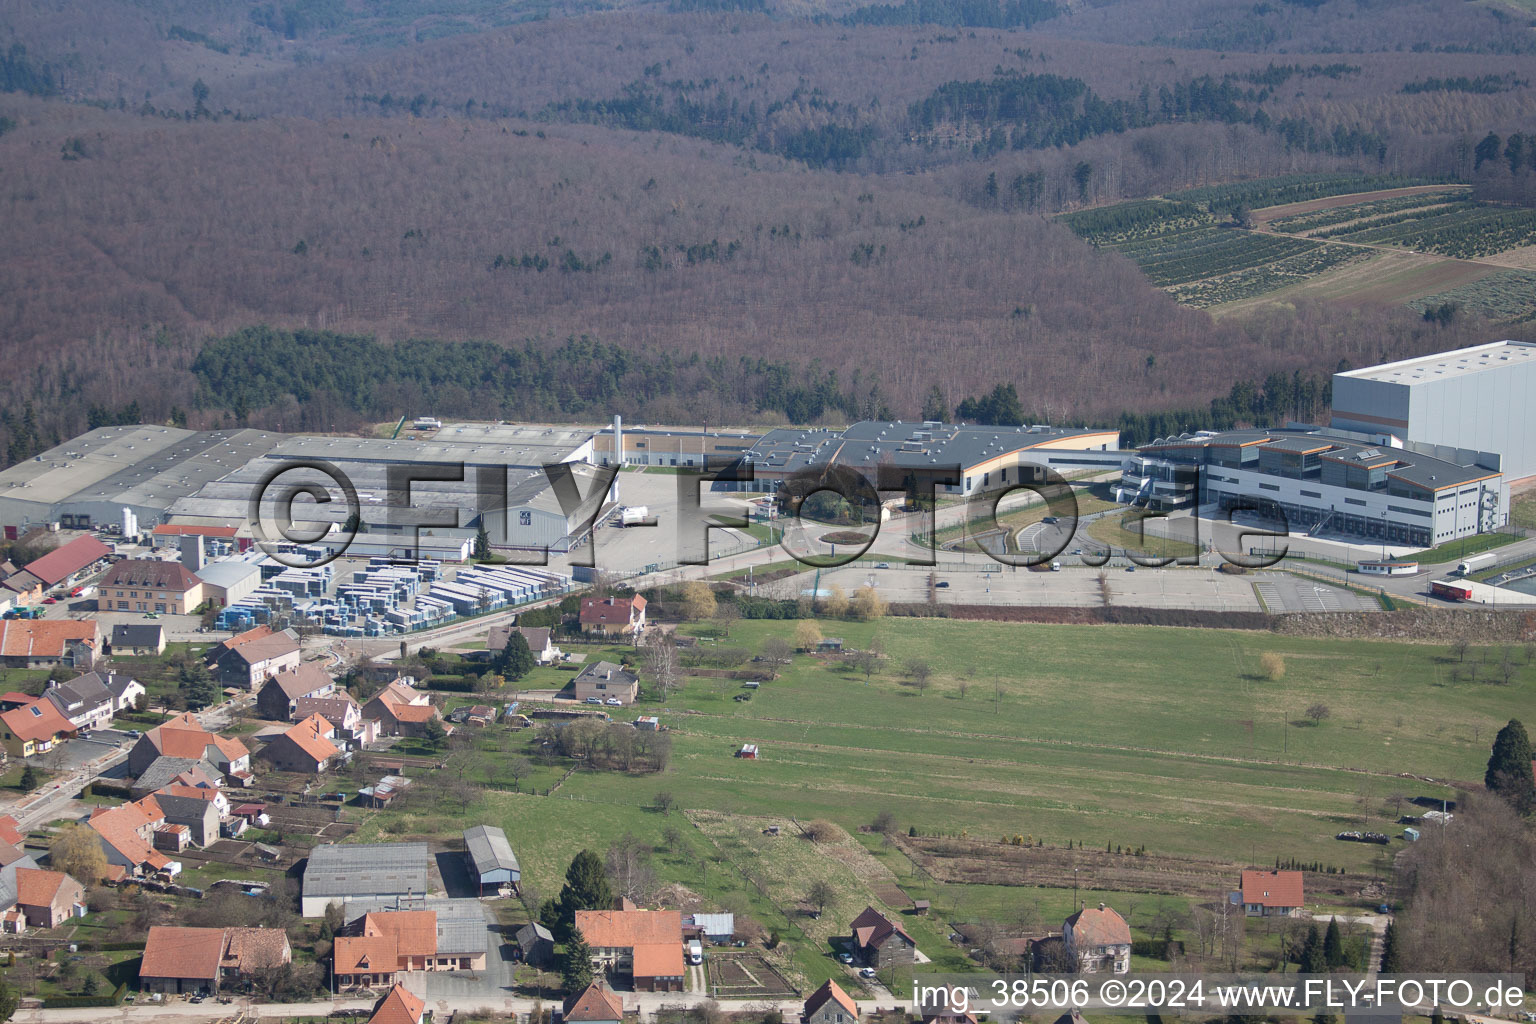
921, 907
537, 945
489, 857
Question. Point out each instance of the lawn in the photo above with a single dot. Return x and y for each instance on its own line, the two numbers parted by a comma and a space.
1523, 510
1171, 739
1122, 532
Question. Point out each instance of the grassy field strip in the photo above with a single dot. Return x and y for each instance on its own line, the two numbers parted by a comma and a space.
920, 739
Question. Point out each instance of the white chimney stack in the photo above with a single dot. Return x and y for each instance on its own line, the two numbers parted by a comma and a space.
618, 455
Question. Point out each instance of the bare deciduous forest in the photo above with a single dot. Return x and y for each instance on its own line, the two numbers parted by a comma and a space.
863, 189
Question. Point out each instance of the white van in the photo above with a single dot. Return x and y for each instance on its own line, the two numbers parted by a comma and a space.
1055, 567
695, 952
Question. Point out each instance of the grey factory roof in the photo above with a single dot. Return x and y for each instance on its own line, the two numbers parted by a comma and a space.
369, 869
1444, 365
489, 850
919, 444
1411, 466
227, 573
367, 463
131, 465
462, 925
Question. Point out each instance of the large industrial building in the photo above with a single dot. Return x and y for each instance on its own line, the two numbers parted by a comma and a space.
88, 481
1478, 399
1324, 482
989, 458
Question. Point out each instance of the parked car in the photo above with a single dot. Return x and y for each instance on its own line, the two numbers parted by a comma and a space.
594, 700
50, 600
614, 702
846, 958
1130, 568
867, 972
942, 584
882, 565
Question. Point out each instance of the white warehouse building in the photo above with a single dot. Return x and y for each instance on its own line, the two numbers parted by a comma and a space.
1479, 399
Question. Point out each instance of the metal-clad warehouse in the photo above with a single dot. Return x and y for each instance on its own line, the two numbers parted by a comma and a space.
533, 518
489, 857
1476, 398
336, 874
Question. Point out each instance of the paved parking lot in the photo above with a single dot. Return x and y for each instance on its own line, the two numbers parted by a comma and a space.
635, 547
1078, 586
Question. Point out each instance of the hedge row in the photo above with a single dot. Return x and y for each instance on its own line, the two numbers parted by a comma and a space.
61, 1002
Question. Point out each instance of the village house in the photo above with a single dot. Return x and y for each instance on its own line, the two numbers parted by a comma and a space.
345, 716
1271, 893
185, 737
394, 942
47, 899
141, 585
197, 810
604, 679
249, 659
209, 959
35, 727
133, 638
127, 834
401, 710
91, 701
613, 616
168, 771
305, 747
398, 1006
1098, 940
646, 944
877, 941
540, 642
278, 697
829, 1004
595, 1004
44, 643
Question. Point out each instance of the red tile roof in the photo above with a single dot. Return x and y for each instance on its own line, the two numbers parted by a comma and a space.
1100, 926
659, 960
1272, 888
413, 932
830, 990
42, 638
609, 611
119, 827
398, 1006
39, 720
184, 736
312, 737
37, 888
10, 830
67, 559
364, 954
193, 953
625, 929
595, 1002
155, 575
253, 949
